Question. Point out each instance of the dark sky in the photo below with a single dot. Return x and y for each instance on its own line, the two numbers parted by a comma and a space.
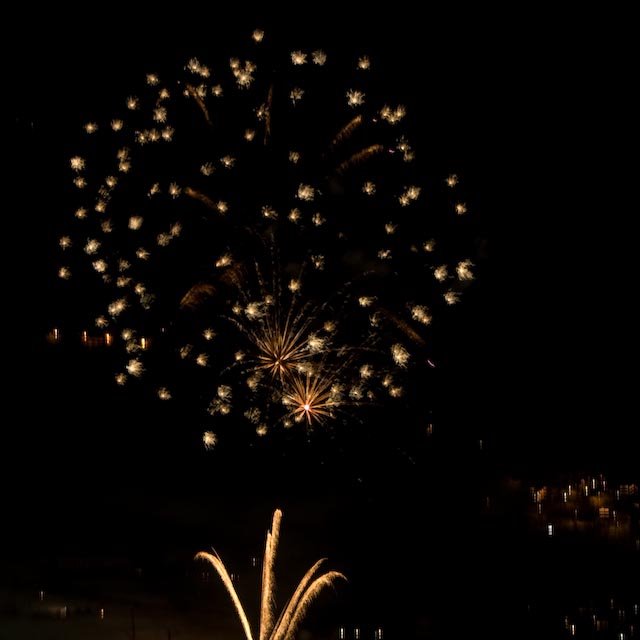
533, 108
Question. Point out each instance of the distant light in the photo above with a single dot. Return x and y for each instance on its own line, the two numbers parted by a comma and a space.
550, 530
41, 596
101, 614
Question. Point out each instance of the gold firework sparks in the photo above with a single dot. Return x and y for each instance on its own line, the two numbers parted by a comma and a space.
272, 627
280, 347
311, 398
289, 346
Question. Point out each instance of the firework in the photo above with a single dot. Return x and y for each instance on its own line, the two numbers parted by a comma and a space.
296, 364
271, 627
170, 242
311, 398
209, 439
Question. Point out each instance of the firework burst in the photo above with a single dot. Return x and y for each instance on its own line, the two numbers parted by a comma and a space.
290, 357
311, 398
180, 191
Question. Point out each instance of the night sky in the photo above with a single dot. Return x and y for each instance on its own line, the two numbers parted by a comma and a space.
534, 110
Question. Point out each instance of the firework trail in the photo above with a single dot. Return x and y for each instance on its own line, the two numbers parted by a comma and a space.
266, 222
311, 585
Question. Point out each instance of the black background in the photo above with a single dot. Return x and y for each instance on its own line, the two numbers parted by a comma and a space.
532, 108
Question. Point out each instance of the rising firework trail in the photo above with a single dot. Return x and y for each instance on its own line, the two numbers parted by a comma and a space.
284, 626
